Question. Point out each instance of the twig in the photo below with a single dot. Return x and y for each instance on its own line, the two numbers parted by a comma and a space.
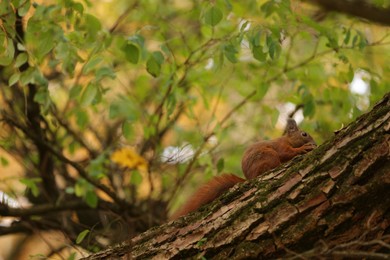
123, 16
188, 169
76, 136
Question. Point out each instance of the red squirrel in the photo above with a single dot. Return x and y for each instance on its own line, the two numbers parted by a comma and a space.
259, 158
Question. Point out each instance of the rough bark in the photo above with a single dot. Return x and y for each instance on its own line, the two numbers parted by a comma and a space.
334, 201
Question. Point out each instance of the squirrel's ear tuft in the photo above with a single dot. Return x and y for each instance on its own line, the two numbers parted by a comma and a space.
291, 126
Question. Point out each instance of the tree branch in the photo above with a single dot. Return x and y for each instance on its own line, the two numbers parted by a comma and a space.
83, 173
357, 8
14, 228
50, 208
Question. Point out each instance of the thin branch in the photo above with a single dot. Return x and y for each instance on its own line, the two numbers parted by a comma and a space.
77, 136
43, 209
357, 8
123, 16
188, 169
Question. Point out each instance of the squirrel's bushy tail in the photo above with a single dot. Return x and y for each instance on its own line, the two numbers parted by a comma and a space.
207, 193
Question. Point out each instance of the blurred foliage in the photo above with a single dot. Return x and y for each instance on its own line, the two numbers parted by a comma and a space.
152, 96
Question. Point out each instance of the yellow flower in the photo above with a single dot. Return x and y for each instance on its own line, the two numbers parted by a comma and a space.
128, 157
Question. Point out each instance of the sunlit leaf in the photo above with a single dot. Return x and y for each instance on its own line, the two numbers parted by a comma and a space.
81, 236
91, 199
136, 178
3, 161
13, 79
231, 53
31, 183
23, 9
88, 95
128, 129
213, 16
75, 92
82, 118
21, 59
90, 65
93, 24
258, 53
7, 55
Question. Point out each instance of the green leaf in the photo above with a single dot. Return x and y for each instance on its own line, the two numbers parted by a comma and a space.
137, 40
243, 26
307, 100
46, 43
82, 118
75, 92
21, 59
350, 74
79, 188
363, 42
78, 7
70, 190
93, 24
220, 165
347, 36
104, 72
7, 56
202, 241
213, 16
91, 199
4, 162
132, 52
31, 183
96, 168
42, 96
81, 236
13, 79
72, 256
23, 9
27, 76
88, 95
123, 108
158, 56
262, 90
90, 65
267, 8
230, 53
128, 129
153, 67
136, 178
343, 58
309, 108
171, 103
258, 53
273, 47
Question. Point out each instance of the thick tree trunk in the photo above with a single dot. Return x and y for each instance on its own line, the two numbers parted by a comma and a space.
334, 201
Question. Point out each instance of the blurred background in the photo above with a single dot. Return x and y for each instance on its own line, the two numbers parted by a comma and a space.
112, 112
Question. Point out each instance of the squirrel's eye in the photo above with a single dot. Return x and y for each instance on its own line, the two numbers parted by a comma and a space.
304, 134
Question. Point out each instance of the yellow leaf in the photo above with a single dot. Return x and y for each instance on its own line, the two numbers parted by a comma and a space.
128, 157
